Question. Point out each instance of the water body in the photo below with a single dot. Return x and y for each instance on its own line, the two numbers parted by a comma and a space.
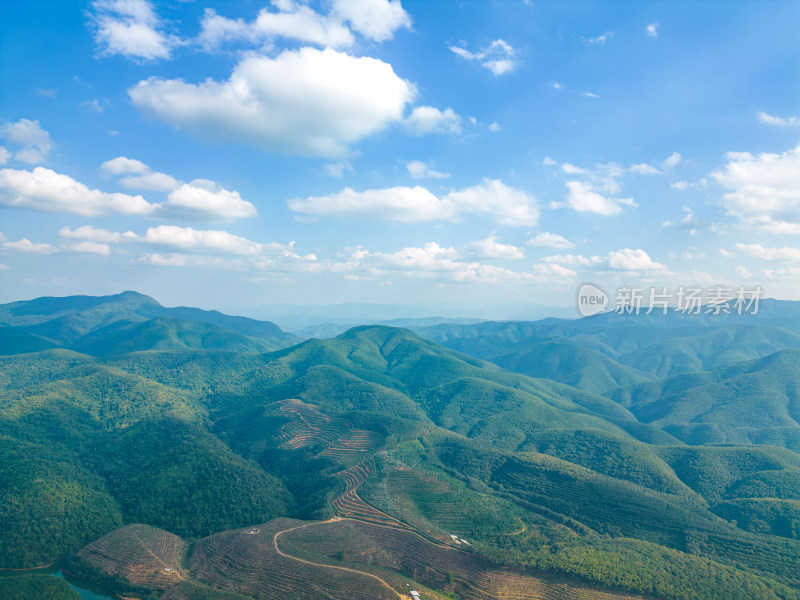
86, 590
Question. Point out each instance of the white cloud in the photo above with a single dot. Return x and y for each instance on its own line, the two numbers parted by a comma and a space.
589, 94
507, 205
779, 121
652, 30
4, 267
427, 119
292, 20
88, 247
123, 166
308, 101
784, 254
600, 39
5, 155
499, 57
672, 160
35, 141
25, 245
94, 234
130, 28
644, 169
491, 248
205, 200
45, 190
550, 240
626, 259
156, 182
494, 126
374, 19
583, 197
633, 260
404, 204
418, 169
764, 190
186, 238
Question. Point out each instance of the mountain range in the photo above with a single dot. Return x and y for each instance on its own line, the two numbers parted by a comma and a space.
595, 458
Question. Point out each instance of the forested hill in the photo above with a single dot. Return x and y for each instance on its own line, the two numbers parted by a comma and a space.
622, 488
129, 322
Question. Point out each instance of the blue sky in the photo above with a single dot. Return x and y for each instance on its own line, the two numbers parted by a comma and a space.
240, 153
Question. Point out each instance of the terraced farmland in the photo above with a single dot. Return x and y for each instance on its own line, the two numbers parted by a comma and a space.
142, 554
252, 565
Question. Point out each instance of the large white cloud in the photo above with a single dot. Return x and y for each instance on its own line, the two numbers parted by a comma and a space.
188, 239
307, 101
374, 19
404, 204
45, 190
764, 190
205, 200
507, 205
130, 28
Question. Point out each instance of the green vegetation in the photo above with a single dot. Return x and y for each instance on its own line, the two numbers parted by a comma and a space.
36, 587
679, 488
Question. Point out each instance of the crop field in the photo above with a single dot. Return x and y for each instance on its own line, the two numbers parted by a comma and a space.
142, 554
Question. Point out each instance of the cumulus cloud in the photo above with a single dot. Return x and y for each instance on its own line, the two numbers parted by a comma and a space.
306, 101
764, 190
626, 259
138, 175
499, 56
507, 205
130, 28
418, 170
784, 254
672, 160
584, 197
188, 239
88, 247
206, 200
550, 240
779, 121
27, 246
35, 141
652, 30
376, 20
94, 234
45, 190
491, 248
404, 204
427, 119
5, 155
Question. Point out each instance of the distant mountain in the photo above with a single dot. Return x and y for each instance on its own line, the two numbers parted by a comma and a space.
657, 345
756, 401
561, 360
99, 324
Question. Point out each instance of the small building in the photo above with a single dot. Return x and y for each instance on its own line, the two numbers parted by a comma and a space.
253, 531
414, 594
167, 570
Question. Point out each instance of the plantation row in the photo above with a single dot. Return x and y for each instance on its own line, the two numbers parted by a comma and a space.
250, 564
142, 554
